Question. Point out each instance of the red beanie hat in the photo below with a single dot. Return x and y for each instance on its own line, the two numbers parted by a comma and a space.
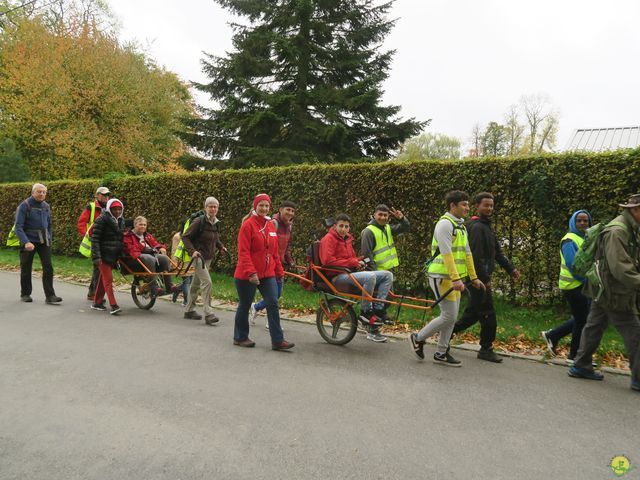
259, 198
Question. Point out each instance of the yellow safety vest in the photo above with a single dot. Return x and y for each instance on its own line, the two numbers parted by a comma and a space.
181, 250
85, 245
567, 281
384, 253
458, 249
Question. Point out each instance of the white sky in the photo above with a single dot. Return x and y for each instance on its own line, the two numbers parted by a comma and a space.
458, 62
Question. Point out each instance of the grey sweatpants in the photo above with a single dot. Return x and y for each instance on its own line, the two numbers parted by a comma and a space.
445, 322
626, 323
201, 280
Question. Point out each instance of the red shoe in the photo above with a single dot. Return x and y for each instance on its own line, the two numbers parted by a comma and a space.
284, 345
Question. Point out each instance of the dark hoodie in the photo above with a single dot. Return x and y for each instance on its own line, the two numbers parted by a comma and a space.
486, 249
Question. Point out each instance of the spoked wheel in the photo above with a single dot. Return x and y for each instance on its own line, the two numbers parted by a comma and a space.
336, 321
141, 294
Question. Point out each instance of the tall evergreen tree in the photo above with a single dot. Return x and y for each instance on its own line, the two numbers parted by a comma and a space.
303, 84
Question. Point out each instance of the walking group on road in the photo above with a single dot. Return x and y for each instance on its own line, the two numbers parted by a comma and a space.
599, 269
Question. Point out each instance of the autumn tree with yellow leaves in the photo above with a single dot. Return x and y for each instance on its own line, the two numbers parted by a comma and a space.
77, 103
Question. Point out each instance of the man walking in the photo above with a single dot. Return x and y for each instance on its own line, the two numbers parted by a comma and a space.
451, 262
84, 225
201, 241
486, 252
34, 231
617, 262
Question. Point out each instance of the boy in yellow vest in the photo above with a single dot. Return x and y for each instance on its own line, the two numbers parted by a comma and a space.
451, 264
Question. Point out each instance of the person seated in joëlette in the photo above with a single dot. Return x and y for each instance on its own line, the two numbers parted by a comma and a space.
139, 244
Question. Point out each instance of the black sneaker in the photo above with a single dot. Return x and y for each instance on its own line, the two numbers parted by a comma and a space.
381, 313
446, 359
489, 356
26, 298
370, 319
417, 346
99, 306
115, 310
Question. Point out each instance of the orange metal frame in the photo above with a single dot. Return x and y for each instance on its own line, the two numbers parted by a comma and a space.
426, 304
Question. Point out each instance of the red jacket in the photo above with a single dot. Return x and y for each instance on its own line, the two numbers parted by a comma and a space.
83, 219
337, 251
258, 250
133, 247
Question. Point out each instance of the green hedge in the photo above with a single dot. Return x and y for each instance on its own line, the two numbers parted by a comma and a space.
534, 199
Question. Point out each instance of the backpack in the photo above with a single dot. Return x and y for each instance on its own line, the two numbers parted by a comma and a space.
181, 252
585, 263
585, 258
12, 238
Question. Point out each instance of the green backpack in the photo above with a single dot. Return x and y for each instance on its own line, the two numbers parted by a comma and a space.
585, 263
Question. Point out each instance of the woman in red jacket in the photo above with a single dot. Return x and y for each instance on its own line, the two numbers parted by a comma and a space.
258, 267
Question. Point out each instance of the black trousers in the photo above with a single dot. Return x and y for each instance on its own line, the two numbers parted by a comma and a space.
479, 309
95, 275
26, 266
580, 305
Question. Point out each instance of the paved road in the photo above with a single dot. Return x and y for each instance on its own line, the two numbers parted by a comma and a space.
149, 395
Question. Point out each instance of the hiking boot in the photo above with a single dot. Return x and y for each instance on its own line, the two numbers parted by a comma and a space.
99, 306
371, 319
550, 345
193, 315
283, 345
53, 299
26, 298
211, 319
247, 342
115, 310
446, 359
253, 313
417, 346
578, 372
489, 356
376, 337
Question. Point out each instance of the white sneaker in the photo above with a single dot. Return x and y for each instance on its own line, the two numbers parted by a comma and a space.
253, 313
376, 337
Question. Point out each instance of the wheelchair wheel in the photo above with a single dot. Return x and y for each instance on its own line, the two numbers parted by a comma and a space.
141, 294
336, 321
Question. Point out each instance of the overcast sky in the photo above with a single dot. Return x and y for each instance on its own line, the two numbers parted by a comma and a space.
458, 62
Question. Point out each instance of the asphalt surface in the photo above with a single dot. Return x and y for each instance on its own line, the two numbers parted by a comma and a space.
150, 395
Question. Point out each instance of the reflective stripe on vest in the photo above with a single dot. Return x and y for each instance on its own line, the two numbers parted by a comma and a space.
385, 254
458, 249
566, 280
85, 245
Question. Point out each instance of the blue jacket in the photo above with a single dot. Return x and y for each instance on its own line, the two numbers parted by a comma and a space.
569, 248
33, 222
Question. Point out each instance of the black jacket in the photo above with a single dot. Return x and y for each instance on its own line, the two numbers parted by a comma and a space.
485, 248
106, 238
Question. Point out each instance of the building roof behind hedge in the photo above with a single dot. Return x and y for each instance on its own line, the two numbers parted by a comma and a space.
602, 139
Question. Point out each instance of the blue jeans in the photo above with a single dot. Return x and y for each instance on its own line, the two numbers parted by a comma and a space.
246, 294
261, 304
382, 279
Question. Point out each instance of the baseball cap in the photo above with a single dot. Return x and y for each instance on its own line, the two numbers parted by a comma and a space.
103, 191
